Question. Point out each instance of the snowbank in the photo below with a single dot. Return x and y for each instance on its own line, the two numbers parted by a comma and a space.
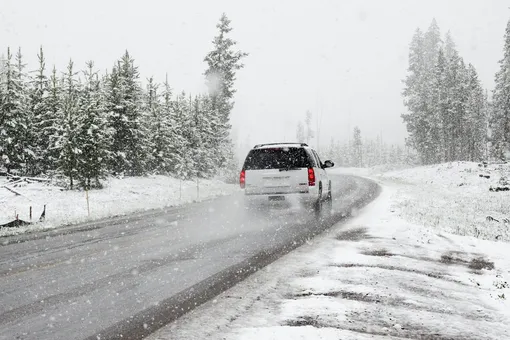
456, 198
119, 197
451, 197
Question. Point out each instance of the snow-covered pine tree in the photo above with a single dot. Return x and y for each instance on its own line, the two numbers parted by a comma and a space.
223, 62
3, 156
185, 168
450, 49
488, 111
399, 155
152, 107
170, 131
446, 87
330, 153
418, 93
413, 94
385, 156
392, 155
378, 149
370, 153
456, 79
94, 136
205, 160
49, 124
442, 119
500, 120
432, 42
13, 117
28, 139
127, 119
116, 120
475, 135
219, 144
197, 136
41, 118
431, 127
67, 142
339, 154
357, 145
164, 141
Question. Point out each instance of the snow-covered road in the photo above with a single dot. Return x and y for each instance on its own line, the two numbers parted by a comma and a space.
131, 276
378, 276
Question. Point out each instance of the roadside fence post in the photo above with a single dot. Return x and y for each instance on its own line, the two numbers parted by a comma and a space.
88, 205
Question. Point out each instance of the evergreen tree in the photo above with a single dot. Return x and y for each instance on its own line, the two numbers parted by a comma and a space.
415, 87
456, 80
170, 131
430, 134
420, 94
27, 139
357, 145
13, 117
432, 42
67, 141
442, 120
475, 136
49, 124
500, 120
204, 136
165, 141
42, 120
94, 137
223, 62
157, 144
445, 118
185, 168
340, 154
124, 102
330, 153
450, 50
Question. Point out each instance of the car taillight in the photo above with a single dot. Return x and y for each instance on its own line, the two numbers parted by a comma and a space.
242, 179
311, 177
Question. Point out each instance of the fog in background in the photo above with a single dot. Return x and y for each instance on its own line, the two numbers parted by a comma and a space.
342, 60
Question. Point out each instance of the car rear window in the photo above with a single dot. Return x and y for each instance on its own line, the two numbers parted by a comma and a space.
276, 158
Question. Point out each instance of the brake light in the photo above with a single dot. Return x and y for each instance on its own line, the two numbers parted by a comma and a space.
242, 179
311, 177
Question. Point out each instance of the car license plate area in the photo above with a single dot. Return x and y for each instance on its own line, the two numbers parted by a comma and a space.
276, 198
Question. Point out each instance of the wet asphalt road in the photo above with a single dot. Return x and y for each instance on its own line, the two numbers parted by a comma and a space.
126, 277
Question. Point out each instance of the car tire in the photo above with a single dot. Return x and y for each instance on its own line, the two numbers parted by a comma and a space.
317, 207
329, 202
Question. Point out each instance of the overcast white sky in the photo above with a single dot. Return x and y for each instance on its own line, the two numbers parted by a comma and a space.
344, 59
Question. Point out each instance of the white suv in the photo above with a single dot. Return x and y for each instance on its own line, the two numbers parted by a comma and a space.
285, 172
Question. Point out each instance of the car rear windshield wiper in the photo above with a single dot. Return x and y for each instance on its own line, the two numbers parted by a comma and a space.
290, 168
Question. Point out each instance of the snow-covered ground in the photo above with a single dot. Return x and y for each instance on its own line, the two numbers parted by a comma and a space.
452, 197
382, 275
119, 197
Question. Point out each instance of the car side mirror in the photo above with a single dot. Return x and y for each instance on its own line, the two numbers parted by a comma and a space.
328, 164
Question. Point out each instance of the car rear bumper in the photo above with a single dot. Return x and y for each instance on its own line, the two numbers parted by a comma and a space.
281, 198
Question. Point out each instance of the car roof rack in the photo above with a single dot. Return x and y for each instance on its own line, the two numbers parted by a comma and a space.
268, 144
